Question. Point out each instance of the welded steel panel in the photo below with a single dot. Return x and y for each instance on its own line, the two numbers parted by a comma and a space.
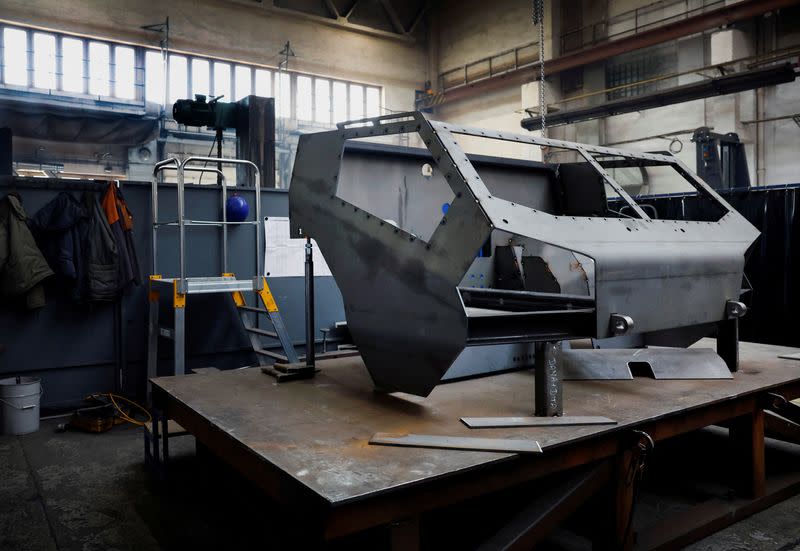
402, 304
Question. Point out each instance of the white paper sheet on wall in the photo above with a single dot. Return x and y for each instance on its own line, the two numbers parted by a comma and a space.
285, 257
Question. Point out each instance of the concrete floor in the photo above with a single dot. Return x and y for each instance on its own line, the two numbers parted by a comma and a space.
76, 491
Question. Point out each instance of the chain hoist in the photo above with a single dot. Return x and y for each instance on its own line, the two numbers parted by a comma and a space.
538, 20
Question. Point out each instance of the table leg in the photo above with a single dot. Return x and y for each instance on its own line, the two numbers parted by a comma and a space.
747, 435
404, 535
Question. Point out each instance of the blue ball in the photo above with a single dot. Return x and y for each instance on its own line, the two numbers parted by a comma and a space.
236, 208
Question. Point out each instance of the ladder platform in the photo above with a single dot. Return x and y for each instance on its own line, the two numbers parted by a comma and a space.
200, 285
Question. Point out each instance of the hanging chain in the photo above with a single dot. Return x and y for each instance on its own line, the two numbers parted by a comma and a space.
538, 19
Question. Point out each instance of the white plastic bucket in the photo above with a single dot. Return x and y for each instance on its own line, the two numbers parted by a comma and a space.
19, 405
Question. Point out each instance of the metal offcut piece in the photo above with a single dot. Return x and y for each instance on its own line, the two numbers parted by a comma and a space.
503, 422
457, 443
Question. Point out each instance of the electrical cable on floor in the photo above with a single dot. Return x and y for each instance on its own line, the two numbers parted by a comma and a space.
113, 399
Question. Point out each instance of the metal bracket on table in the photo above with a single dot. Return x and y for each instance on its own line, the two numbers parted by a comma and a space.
289, 371
655, 362
728, 334
548, 397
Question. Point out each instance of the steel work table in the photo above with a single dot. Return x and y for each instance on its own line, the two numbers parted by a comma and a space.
305, 443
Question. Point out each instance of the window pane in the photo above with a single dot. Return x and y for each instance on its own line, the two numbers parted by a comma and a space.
72, 65
177, 78
124, 72
243, 80
373, 102
263, 83
201, 82
283, 100
339, 102
356, 102
15, 57
222, 81
99, 70
304, 109
154, 77
44, 60
322, 101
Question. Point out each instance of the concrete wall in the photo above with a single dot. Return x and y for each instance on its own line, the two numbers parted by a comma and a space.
472, 33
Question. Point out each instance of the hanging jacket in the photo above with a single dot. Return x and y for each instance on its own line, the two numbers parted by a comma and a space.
22, 265
126, 219
101, 255
121, 223
60, 229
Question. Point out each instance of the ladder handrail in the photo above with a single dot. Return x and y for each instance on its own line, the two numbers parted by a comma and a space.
159, 167
181, 167
259, 225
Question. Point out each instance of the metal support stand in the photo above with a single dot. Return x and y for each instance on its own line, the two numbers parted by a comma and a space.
728, 334
310, 344
548, 391
297, 369
219, 163
548, 397
728, 343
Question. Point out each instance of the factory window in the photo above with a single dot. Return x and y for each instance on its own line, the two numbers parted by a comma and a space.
638, 72
44, 61
72, 70
15, 58
283, 97
304, 99
154, 77
322, 101
222, 81
263, 83
56, 62
124, 73
339, 102
178, 78
99, 69
243, 82
201, 82
373, 102
356, 101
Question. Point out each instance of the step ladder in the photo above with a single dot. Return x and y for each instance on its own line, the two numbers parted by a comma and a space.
179, 288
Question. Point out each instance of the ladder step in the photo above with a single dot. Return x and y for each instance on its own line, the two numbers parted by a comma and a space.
270, 354
258, 331
252, 309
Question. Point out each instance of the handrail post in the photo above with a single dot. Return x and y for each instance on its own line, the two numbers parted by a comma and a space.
159, 166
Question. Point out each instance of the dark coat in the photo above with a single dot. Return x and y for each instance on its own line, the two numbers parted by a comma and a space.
22, 266
60, 229
121, 222
78, 241
101, 254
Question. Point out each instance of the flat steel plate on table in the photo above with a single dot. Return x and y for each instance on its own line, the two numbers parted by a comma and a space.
457, 442
565, 421
316, 432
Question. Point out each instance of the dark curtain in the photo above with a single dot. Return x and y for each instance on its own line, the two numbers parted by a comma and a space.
773, 266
